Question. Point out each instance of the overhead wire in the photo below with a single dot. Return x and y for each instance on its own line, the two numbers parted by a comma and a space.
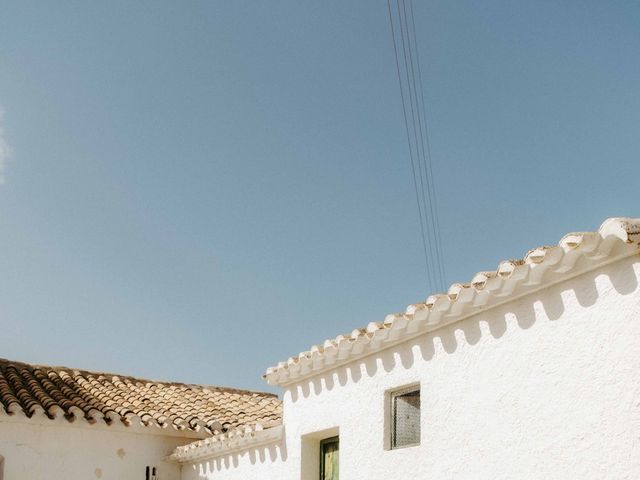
416, 126
417, 130
434, 198
428, 270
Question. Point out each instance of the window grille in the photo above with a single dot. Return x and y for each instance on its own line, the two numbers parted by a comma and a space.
405, 418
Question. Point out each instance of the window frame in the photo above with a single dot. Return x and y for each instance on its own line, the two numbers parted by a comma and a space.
391, 419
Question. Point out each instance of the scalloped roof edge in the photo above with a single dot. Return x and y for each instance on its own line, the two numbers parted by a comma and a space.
616, 238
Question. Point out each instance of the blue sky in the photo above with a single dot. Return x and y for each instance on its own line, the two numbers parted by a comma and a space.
197, 190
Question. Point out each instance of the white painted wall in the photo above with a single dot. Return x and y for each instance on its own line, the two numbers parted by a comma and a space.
262, 462
546, 387
43, 449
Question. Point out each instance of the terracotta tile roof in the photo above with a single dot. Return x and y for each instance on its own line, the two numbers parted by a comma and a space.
69, 393
576, 253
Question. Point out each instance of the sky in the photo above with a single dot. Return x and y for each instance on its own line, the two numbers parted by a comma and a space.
197, 190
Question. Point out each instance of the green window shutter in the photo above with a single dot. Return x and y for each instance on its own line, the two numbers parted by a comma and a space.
329, 459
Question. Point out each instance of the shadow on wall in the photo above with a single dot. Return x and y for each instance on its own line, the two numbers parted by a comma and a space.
270, 453
521, 313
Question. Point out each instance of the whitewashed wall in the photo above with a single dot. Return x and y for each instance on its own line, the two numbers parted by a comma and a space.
43, 449
262, 462
546, 387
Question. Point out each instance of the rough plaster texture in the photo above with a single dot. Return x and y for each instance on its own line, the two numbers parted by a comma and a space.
545, 387
45, 450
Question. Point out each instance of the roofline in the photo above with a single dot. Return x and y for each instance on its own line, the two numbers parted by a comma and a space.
109, 414
82, 372
617, 238
226, 443
135, 428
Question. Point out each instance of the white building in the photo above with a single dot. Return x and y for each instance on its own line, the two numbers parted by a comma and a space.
531, 371
63, 424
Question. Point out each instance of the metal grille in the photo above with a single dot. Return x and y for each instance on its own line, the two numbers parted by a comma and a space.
406, 419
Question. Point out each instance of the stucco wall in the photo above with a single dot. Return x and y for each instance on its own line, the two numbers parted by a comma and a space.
262, 462
546, 387
42, 449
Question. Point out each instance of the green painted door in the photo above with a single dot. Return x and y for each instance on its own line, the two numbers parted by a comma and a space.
329, 453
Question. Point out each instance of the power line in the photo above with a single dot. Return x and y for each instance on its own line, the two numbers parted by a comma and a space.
413, 168
434, 202
417, 127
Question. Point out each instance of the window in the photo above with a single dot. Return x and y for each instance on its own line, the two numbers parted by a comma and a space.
329, 452
319, 454
405, 417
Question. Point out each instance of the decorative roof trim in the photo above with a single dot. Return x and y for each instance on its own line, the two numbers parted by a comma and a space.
226, 443
541, 267
60, 421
